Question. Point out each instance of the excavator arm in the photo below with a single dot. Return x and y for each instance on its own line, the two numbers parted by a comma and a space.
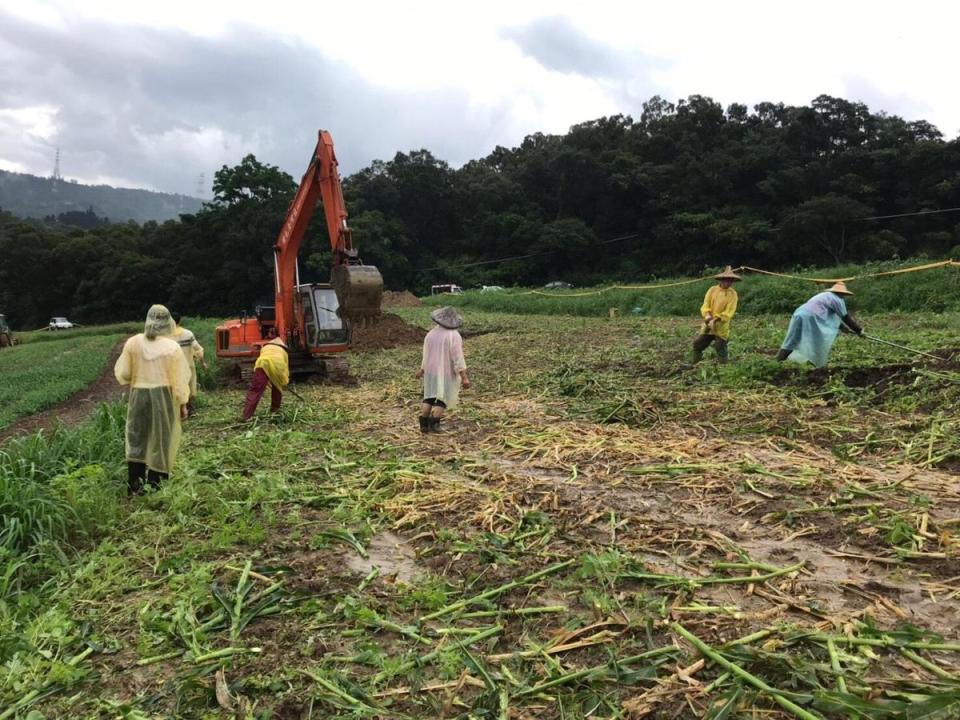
359, 287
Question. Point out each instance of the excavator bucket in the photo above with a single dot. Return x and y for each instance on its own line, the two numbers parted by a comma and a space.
359, 291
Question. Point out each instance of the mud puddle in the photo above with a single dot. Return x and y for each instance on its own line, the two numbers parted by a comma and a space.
394, 556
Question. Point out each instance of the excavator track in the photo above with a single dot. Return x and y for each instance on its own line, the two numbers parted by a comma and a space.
336, 371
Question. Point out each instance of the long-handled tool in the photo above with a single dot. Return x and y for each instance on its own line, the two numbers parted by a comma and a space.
297, 395
901, 347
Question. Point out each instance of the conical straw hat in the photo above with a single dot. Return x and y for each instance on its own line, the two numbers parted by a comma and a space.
728, 274
839, 287
447, 317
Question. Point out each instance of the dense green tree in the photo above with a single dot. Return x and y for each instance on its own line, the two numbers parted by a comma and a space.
687, 186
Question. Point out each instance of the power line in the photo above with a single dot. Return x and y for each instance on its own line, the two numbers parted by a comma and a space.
523, 257
911, 214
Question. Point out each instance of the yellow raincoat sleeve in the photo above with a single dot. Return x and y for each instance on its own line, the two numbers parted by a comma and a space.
707, 306
123, 368
197, 349
274, 362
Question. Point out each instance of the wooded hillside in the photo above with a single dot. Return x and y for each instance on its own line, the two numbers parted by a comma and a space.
36, 197
683, 187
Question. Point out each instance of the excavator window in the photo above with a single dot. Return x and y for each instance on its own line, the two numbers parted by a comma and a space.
320, 320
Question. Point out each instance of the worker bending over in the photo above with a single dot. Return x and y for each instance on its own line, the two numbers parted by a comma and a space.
815, 325
719, 307
192, 351
273, 368
442, 368
156, 371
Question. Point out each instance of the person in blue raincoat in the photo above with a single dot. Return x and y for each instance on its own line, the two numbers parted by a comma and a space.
815, 325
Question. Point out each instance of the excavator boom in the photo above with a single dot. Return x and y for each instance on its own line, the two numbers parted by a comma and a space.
359, 287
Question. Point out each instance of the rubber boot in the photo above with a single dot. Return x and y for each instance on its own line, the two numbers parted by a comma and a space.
424, 423
722, 349
697, 356
783, 354
434, 424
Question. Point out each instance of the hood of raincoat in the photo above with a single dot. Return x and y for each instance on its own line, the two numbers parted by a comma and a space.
159, 322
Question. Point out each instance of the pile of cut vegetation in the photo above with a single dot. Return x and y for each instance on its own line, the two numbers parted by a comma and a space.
403, 298
389, 331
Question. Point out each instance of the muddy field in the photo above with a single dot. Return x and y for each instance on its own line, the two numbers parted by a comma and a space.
601, 530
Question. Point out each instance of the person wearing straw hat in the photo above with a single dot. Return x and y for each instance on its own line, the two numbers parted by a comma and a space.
271, 368
815, 325
442, 368
719, 307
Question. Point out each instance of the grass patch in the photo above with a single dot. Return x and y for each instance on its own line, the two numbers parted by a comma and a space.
935, 290
600, 508
40, 374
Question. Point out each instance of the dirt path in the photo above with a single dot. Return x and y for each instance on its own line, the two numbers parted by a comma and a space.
76, 408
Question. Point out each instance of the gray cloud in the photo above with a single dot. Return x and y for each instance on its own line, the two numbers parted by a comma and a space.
158, 107
558, 45
907, 107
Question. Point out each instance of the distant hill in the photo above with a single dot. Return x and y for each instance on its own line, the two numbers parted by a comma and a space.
36, 197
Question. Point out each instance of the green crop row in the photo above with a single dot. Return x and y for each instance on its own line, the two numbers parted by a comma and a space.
38, 375
936, 290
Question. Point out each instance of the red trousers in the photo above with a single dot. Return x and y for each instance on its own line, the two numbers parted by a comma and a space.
258, 383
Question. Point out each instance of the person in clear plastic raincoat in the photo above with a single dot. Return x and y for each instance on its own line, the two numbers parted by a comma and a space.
815, 325
719, 307
192, 351
442, 368
156, 371
271, 368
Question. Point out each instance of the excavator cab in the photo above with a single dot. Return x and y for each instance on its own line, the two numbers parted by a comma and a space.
323, 327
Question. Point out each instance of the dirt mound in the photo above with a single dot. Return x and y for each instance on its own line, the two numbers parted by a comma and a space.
389, 331
405, 298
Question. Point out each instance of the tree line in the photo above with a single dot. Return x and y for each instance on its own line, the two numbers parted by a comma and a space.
686, 186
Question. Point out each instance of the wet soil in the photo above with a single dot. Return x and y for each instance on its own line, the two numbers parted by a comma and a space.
391, 554
76, 408
403, 298
389, 331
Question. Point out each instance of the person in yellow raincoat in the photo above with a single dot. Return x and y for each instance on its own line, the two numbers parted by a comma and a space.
156, 371
272, 368
192, 351
719, 307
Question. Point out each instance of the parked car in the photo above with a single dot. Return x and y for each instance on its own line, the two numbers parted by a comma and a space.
60, 323
446, 288
557, 285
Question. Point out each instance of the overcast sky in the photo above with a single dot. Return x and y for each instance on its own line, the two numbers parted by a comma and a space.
151, 94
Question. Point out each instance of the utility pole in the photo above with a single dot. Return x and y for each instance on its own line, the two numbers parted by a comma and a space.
56, 177
201, 185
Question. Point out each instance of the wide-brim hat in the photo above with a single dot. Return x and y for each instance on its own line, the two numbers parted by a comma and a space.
728, 274
447, 317
840, 288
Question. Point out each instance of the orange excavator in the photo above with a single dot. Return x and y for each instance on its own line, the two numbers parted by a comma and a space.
315, 320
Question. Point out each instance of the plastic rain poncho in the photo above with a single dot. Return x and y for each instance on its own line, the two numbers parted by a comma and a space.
274, 361
721, 303
159, 380
192, 351
442, 362
814, 328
